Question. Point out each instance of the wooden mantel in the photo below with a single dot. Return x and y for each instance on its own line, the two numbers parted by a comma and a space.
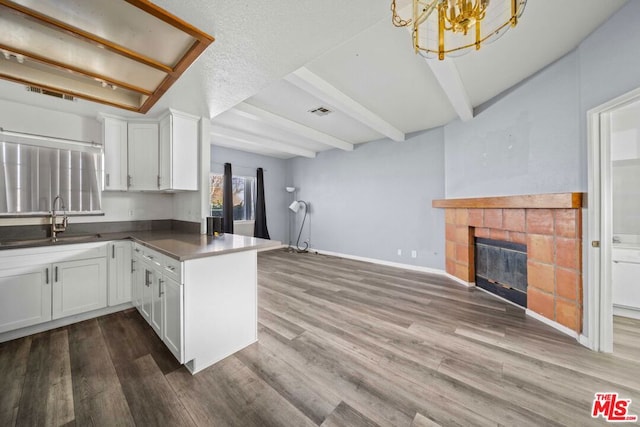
530, 201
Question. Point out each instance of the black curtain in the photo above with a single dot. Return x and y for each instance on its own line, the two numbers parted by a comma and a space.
227, 199
260, 224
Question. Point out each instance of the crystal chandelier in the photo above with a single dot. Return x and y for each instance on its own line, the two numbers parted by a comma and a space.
453, 27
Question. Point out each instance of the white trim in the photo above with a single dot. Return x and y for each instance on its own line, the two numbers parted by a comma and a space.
599, 304
392, 264
555, 325
272, 248
313, 84
632, 312
585, 341
30, 330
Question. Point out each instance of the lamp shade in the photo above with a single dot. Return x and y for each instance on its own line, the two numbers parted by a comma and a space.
295, 206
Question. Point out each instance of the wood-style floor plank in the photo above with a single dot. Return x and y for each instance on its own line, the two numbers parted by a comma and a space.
341, 343
14, 356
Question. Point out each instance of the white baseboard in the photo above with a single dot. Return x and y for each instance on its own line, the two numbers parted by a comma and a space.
35, 329
619, 310
586, 341
392, 264
555, 325
271, 248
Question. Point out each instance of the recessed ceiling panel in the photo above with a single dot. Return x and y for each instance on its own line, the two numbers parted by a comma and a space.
128, 46
121, 23
30, 38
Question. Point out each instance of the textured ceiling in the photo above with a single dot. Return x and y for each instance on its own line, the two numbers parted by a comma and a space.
354, 50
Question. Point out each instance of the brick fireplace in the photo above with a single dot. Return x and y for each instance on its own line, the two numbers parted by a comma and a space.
551, 228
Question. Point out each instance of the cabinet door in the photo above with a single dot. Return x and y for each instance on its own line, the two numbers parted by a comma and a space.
25, 297
147, 292
114, 133
179, 152
137, 280
79, 286
143, 156
172, 302
156, 302
119, 273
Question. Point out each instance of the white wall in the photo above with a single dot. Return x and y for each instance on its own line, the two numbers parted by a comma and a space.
374, 200
117, 206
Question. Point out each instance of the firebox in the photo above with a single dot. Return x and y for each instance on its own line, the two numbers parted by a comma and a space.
501, 268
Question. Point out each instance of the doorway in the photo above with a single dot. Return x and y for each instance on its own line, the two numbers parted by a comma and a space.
613, 299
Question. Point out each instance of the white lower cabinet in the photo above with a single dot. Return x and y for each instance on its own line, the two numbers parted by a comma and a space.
25, 297
42, 284
79, 286
157, 285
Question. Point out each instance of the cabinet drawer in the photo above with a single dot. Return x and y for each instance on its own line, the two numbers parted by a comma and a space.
171, 268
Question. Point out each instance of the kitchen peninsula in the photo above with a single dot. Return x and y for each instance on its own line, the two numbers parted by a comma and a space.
198, 293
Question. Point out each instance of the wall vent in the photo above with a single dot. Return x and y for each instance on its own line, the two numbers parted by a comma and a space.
50, 93
320, 111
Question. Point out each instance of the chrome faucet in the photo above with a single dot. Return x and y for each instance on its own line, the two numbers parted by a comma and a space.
55, 227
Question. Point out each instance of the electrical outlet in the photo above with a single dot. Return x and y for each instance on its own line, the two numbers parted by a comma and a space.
399, 252
414, 254
130, 212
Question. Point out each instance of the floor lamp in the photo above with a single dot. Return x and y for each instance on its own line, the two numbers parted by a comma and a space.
295, 207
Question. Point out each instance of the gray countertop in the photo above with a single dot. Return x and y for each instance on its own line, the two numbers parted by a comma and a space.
186, 246
178, 245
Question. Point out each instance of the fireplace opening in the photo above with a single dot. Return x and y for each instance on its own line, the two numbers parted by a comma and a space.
501, 268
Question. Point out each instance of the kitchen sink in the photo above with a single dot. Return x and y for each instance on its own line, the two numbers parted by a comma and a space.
48, 241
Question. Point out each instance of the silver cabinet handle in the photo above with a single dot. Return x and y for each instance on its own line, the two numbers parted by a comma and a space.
113, 251
158, 181
146, 278
107, 179
129, 181
160, 292
46, 270
56, 275
133, 261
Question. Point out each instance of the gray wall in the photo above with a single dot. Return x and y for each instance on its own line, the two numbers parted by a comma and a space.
524, 143
376, 199
245, 164
534, 139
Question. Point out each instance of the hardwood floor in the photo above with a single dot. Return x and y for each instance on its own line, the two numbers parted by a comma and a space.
341, 343
626, 337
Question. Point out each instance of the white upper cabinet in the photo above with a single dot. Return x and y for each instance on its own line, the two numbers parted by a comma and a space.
178, 152
114, 135
143, 156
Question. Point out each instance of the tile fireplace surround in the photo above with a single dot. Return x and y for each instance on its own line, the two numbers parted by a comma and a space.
551, 227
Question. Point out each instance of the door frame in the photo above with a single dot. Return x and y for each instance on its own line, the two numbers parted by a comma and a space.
599, 301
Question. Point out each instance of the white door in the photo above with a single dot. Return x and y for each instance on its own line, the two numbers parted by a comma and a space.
184, 152
79, 286
119, 273
143, 156
25, 297
172, 300
115, 154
